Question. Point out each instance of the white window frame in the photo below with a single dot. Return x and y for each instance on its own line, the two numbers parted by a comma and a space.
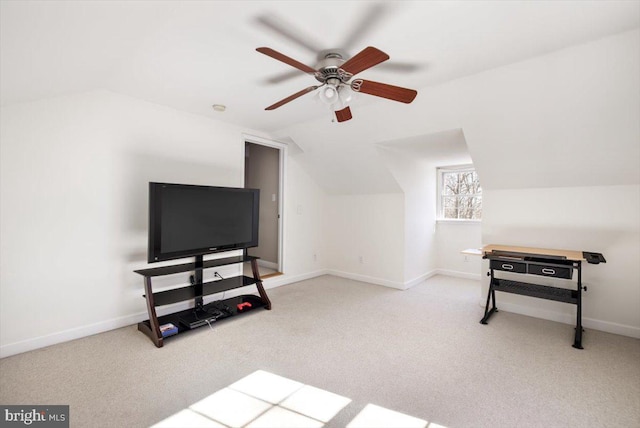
440, 171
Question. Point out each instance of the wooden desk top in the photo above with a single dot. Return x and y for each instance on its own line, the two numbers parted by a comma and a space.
568, 254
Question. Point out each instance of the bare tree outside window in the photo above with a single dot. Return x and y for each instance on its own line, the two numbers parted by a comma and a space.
460, 194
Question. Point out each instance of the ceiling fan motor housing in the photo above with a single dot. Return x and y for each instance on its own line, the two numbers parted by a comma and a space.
329, 68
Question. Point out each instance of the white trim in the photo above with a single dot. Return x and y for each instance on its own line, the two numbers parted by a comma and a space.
284, 155
611, 327
132, 320
273, 282
402, 285
570, 319
458, 274
459, 167
263, 141
280, 280
421, 278
283, 150
595, 324
369, 279
458, 221
70, 334
440, 171
268, 265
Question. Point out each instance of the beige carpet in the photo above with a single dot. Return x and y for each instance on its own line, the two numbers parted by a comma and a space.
421, 352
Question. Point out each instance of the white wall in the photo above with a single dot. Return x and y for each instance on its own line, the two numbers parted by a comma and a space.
603, 219
365, 237
451, 239
566, 119
304, 241
430, 246
74, 179
417, 181
562, 132
569, 118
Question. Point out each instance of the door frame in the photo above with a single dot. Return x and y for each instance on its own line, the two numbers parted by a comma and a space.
282, 160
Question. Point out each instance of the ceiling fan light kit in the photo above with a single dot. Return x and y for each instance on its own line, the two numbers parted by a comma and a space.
345, 93
329, 93
334, 74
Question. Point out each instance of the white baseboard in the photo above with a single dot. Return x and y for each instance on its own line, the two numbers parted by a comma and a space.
369, 279
129, 320
277, 281
70, 334
273, 282
268, 265
606, 326
611, 327
421, 278
402, 285
458, 274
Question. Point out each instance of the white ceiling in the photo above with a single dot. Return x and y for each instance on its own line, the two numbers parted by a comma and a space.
190, 55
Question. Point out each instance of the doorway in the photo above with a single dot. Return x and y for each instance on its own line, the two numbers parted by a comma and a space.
263, 170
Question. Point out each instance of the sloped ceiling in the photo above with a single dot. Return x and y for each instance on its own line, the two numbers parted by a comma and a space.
569, 118
190, 55
446, 148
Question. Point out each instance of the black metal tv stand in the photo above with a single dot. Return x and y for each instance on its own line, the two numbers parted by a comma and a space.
190, 318
549, 263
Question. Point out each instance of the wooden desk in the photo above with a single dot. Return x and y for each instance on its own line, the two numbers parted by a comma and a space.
537, 261
545, 252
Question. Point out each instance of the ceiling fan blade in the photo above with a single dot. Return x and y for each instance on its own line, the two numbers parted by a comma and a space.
282, 57
367, 20
344, 114
286, 29
281, 77
292, 97
401, 67
390, 92
366, 58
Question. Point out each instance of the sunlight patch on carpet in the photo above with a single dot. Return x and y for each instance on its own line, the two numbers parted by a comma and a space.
264, 399
373, 416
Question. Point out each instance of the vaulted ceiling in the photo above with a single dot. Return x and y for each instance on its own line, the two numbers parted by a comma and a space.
190, 55
476, 66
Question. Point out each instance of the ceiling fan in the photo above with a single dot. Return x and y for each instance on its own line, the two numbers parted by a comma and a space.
336, 85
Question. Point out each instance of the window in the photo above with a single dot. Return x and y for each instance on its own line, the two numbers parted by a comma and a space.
459, 194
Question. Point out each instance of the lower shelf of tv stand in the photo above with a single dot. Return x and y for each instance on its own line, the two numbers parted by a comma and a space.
188, 293
174, 318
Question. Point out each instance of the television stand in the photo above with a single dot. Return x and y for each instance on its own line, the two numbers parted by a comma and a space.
201, 314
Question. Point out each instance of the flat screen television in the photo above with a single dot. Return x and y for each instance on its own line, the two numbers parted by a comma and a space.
189, 220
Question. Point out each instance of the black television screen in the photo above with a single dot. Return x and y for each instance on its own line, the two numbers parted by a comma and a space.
189, 220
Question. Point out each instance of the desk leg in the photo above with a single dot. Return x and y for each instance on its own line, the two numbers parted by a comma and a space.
577, 343
491, 295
